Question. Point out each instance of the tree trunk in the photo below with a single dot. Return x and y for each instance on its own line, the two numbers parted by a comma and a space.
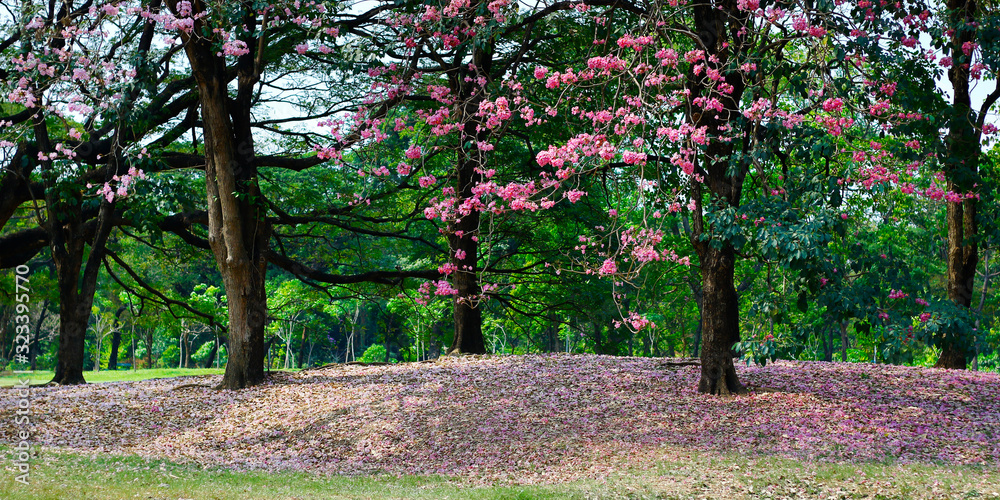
213, 353
116, 340
73, 319
436, 342
288, 349
843, 341
827, 339
76, 293
720, 323
36, 337
465, 230
180, 345
723, 179
302, 348
238, 231
149, 347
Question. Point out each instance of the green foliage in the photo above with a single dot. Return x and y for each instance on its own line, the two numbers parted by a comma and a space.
375, 353
170, 357
201, 355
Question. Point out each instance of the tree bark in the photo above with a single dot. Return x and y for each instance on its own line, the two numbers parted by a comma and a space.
238, 231
721, 323
214, 352
724, 183
302, 348
72, 332
36, 335
116, 340
464, 232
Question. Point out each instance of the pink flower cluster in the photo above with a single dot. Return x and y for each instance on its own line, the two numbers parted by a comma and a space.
109, 192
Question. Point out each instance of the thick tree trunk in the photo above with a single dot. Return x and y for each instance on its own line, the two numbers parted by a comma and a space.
465, 230
720, 28
468, 315
962, 261
827, 339
598, 343
238, 232
73, 317
247, 310
720, 323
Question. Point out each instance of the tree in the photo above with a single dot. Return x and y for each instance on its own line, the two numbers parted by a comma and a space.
968, 25
60, 75
732, 112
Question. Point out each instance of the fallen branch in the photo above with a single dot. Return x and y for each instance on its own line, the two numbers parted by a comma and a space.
185, 386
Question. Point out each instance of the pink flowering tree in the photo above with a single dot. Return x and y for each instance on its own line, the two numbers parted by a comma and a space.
741, 122
69, 145
966, 38
99, 92
451, 81
956, 43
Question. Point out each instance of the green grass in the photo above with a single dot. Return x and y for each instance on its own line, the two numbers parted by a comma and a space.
58, 476
43, 376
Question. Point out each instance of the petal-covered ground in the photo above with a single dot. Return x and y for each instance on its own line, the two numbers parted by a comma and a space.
537, 418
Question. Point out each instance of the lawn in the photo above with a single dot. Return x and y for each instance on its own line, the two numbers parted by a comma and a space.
677, 475
122, 375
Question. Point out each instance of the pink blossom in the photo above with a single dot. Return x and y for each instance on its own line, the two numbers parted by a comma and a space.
817, 31
574, 195
444, 288
235, 48
833, 105
608, 267
633, 158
